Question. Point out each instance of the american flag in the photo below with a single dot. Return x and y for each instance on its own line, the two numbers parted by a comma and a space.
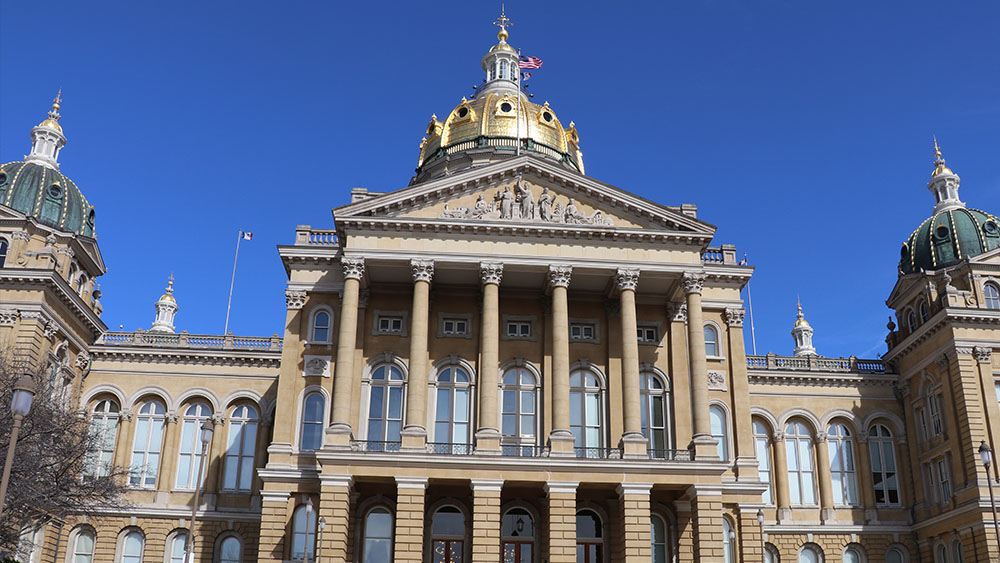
530, 62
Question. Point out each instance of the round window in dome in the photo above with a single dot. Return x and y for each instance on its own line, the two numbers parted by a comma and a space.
90, 218
942, 231
3, 178
547, 117
904, 252
462, 112
55, 191
990, 227
505, 107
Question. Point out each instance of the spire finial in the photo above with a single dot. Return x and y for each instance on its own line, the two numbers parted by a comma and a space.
170, 281
937, 149
57, 101
798, 304
503, 22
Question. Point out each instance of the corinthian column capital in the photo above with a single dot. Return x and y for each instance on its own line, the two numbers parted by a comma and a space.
354, 268
693, 282
982, 353
627, 279
491, 272
559, 275
423, 270
295, 298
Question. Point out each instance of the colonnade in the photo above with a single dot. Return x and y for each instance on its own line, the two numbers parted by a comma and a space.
560, 439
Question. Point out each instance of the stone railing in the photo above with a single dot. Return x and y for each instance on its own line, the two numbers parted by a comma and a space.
500, 141
725, 254
308, 236
191, 341
815, 363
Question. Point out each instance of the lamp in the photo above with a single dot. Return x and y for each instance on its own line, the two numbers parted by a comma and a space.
20, 405
986, 455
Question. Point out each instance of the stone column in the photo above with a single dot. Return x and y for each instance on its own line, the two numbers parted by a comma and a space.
486, 520
415, 430
340, 432
706, 508
215, 457
561, 439
335, 507
124, 439
409, 538
781, 491
488, 434
273, 525
633, 442
702, 442
635, 511
170, 442
824, 476
562, 521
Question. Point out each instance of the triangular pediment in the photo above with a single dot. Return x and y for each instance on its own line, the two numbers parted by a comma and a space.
524, 191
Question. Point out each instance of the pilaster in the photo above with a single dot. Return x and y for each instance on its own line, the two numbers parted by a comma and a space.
486, 520
409, 537
335, 509
562, 521
273, 525
635, 518
706, 507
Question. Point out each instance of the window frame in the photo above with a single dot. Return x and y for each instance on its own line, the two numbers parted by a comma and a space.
600, 541
582, 394
4, 250
74, 551
309, 553
722, 447
314, 326
453, 388
519, 541
168, 548
795, 476
98, 467
840, 445
251, 419
404, 323
991, 300
642, 329
530, 320
763, 439
583, 324
198, 453
445, 318
882, 441
728, 543
362, 547
389, 363
156, 421
510, 443
647, 405
717, 331
220, 543
308, 392
464, 539
122, 542
814, 549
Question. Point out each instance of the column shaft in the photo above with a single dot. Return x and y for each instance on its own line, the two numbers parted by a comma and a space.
781, 492
561, 438
343, 374
488, 434
415, 430
630, 365
702, 440
863, 476
824, 476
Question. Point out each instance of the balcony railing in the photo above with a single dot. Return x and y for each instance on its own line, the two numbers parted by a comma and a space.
445, 448
191, 341
308, 236
815, 363
598, 453
671, 455
375, 446
517, 450
520, 450
725, 254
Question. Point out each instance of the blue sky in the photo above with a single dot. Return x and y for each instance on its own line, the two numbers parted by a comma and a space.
801, 129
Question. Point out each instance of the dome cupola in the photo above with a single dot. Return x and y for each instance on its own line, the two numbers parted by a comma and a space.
802, 333
953, 233
37, 188
499, 122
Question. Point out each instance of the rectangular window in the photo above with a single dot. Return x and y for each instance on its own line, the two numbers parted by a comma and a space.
519, 329
922, 420
935, 406
455, 326
582, 331
390, 325
649, 334
945, 480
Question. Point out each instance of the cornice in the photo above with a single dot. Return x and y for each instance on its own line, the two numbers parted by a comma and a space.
939, 321
51, 280
819, 379
237, 358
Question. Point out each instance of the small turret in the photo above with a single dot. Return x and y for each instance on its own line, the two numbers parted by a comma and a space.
944, 184
47, 138
803, 335
166, 309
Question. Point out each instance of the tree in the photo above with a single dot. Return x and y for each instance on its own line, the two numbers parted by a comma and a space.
55, 472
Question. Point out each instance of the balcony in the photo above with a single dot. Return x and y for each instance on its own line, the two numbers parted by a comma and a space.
144, 339
816, 364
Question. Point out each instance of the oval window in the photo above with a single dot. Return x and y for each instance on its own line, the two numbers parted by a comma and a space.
990, 227
3, 178
904, 252
90, 218
547, 116
55, 190
462, 112
505, 107
942, 232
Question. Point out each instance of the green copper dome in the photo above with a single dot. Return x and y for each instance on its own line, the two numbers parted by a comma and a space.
48, 196
949, 237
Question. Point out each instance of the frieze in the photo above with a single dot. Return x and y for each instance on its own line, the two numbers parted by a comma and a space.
518, 203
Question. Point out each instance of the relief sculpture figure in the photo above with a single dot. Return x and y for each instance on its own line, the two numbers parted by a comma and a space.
527, 201
545, 205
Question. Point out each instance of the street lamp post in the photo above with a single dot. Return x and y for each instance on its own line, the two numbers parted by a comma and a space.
986, 455
309, 516
206, 438
760, 523
321, 524
20, 404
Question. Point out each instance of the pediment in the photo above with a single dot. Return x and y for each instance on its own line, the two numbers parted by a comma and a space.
524, 191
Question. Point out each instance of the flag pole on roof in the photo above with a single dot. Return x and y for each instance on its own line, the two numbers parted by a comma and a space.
243, 235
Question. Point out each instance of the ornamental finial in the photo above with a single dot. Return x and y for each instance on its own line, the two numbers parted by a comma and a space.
170, 281
57, 101
503, 22
937, 149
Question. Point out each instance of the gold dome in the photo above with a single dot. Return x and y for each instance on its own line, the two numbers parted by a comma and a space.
51, 123
801, 318
53, 120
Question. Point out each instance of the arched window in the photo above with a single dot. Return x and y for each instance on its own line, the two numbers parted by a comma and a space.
717, 416
589, 537
83, 547
940, 554
519, 406
911, 320
771, 554
503, 68
303, 533
177, 548
3, 252
230, 550
728, 541
924, 314
956, 552
853, 555
934, 404
711, 341
453, 408
312, 422
585, 416
658, 539
321, 326
448, 535
762, 447
657, 413
883, 457
377, 535
842, 472
240, 448
132, 546
104, 427
190, 457
992, 295
385, 404
810, 554
518, 533
148, 444
801, 476
894, 555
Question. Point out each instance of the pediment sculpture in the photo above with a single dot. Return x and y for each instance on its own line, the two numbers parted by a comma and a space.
519, 204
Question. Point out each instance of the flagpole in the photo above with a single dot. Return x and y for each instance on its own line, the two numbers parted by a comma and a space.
753, 337
518, 152
239, 236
